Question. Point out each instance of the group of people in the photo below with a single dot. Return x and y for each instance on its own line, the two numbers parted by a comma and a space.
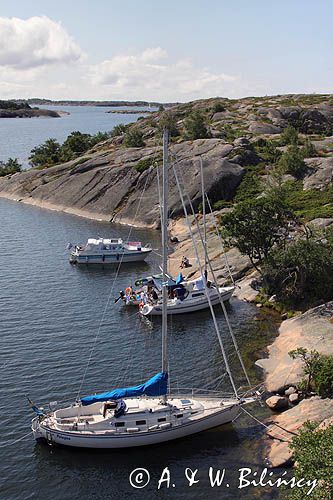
143, 296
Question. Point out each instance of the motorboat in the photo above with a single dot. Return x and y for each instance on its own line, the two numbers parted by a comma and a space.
108, 251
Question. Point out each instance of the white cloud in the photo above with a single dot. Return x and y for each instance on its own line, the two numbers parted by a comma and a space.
34, 42
32, 51
147, 75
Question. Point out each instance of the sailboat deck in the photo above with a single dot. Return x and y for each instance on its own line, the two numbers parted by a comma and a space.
142, 415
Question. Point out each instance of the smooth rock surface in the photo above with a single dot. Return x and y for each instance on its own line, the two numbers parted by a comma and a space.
107, 185
311, 330
314, 409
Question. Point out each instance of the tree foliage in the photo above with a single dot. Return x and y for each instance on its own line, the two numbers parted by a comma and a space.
255, 226
249, 188
51, 152
119, 129
289, 135
134, 138
267, 151
308, 150
195, 126
300, 273
313, 455
46, 155
168, 120
13, 105
292, 162
11, 166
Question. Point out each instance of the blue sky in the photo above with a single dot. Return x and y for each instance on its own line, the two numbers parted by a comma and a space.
175, 50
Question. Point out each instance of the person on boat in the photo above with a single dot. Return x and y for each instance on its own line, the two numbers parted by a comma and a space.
121, 296
154, 295
143, 297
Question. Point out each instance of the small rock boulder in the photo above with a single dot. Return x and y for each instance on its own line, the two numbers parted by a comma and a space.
290, 390
264, 128
277, 403
293, 398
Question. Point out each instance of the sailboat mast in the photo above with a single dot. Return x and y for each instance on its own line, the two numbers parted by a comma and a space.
165, 192
203, 209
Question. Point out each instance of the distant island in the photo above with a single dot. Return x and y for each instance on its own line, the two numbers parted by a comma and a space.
130, 111
38, 101
22, 109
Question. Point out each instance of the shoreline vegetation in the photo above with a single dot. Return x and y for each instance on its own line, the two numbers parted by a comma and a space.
268, 166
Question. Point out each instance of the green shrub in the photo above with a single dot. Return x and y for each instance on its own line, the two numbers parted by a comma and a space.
75, 144
292, 162
195, 126
118, 130
51, 152
46, 155
12, 166
168, 120
300, 273
256, 226
308, 204
308, 150
313, 456
218, 107
249, 188
323, 377
267, 151
144, 164
134, 138
218, 205
289, 135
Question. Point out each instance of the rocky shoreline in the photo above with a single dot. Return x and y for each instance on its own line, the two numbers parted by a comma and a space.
30, 113
108, 182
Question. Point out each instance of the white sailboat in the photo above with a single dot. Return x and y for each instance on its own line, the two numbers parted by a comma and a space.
146, 414
191, 296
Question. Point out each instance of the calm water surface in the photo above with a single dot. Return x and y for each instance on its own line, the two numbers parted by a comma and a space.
18, 136
50, 314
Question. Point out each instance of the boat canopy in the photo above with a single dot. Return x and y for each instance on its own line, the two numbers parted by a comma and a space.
155, 386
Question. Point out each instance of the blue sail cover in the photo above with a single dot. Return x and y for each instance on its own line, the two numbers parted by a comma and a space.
155, 386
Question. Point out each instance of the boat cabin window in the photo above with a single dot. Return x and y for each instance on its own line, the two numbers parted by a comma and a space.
180, 415
185, 401
140, 422
162, 419
119, 424
196, 294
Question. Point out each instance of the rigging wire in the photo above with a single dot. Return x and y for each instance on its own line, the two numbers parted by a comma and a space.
217, 288
109, 297
221, 241
207, 294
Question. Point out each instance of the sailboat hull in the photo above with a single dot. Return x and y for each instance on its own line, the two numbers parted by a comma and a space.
105, 441
189, 306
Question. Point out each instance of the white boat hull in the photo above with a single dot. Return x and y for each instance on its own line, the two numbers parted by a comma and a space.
82, 259
112, 441
191, 305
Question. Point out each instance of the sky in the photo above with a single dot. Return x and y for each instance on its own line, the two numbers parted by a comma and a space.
176, 50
